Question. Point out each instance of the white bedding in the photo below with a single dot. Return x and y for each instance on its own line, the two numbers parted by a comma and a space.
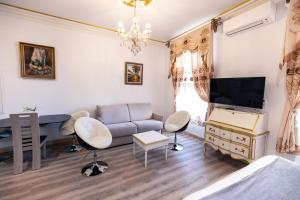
232, 178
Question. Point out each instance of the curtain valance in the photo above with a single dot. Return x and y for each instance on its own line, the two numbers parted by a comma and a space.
199, 41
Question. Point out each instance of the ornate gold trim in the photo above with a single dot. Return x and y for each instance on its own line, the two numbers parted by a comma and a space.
233, 125
255, 123
115, 30
243, 2
131, 3
67, 19
219, 124
247, 133
229, 141
233, 155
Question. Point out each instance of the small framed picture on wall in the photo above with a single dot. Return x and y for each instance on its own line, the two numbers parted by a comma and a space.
133, 73
37, 61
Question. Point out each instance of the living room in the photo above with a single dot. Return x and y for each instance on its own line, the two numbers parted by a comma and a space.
143, 106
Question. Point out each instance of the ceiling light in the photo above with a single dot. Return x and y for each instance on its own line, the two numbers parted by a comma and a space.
134, 39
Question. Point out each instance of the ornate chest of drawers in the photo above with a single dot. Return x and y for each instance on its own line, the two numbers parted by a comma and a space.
243, 135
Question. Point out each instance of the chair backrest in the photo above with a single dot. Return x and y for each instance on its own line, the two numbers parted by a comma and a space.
25, 136
68, 127
93, 132
113, 114
140, 111
178, 121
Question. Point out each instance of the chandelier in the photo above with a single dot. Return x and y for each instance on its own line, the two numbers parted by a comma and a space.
134, 39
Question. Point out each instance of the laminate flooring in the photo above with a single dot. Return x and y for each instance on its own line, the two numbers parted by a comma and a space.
126, 178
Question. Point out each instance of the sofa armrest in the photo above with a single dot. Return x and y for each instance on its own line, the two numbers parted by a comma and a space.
100, 119
157, 117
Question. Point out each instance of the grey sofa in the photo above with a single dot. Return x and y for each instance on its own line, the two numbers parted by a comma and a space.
123, 120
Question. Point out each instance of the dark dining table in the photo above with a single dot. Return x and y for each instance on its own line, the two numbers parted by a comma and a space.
43, 120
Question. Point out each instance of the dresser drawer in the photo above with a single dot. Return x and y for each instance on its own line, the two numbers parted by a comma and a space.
212, 129
240, 150
211, 139
225, 134
224, 145
242, 139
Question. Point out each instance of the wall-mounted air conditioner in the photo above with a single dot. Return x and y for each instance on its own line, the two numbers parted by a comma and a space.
254, 18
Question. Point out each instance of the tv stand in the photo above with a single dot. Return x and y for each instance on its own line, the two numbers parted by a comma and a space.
240, 134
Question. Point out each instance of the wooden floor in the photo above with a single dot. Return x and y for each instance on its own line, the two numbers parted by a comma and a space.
60, 178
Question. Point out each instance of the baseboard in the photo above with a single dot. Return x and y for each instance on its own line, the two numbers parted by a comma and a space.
195, 135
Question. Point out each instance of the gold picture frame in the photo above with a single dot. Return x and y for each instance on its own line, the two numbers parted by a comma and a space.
133, 73
37, 61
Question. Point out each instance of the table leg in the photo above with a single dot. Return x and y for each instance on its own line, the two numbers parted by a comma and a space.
166, 149
133, 148
146, 154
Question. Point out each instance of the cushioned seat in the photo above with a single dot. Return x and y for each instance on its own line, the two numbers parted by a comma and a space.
122, 129
148, 125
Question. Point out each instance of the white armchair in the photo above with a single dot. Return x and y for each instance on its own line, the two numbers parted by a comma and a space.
68, 129
177, 122
93, 135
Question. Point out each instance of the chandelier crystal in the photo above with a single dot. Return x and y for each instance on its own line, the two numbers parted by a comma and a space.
135, 38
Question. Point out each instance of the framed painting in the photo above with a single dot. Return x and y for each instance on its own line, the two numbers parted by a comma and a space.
37, 61
133, 73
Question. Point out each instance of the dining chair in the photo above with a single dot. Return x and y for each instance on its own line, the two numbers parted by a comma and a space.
26, 137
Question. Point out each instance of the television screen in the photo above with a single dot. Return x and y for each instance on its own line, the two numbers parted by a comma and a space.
246, 92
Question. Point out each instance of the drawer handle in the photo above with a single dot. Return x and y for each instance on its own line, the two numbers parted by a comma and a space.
242, 150
243, 139
212, 139
211, 129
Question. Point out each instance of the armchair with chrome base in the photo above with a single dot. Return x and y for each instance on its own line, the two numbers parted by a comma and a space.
93, 135
176, 123
68, 129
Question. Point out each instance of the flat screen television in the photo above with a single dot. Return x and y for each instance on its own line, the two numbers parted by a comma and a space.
246, 92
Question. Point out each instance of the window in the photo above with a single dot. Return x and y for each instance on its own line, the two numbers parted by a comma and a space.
187, 98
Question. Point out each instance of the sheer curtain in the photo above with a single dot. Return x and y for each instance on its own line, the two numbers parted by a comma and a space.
187, 98
297, 128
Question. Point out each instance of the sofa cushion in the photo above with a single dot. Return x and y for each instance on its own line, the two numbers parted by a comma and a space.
140, 111
112, 114
122, 129
148, 125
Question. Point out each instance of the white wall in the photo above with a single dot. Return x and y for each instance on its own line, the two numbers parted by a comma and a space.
89, 66
257, 53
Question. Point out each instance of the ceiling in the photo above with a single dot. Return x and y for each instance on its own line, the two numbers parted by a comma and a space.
167, 17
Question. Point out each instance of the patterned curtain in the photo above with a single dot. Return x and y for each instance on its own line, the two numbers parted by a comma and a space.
200, 42
177, 80
203, 72
286, 142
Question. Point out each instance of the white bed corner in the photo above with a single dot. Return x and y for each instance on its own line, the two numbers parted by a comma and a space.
232, 178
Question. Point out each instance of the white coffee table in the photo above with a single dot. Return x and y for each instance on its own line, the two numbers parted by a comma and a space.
150, 140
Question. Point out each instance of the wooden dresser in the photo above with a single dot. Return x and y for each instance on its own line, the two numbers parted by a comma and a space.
242, 135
